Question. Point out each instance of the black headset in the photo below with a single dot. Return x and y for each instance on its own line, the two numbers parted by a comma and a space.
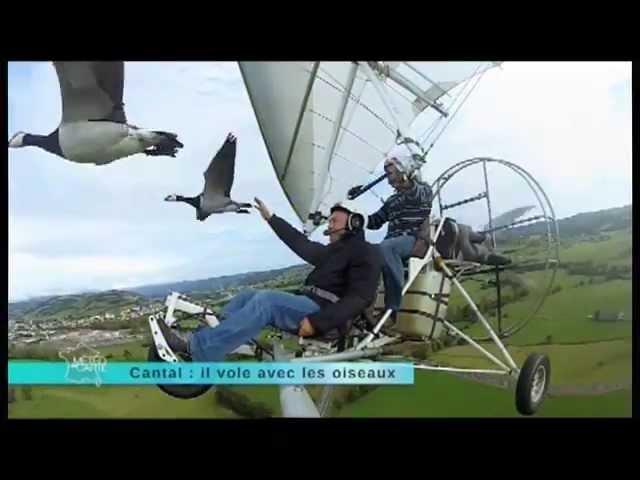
355, 222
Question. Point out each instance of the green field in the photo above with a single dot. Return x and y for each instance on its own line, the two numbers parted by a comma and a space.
438, 394
433, 395
616, 249
603, 362
130, 401
584, 353
137, 351
112, 402
564, 313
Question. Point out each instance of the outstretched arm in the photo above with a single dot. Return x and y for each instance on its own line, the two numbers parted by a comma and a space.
311, 252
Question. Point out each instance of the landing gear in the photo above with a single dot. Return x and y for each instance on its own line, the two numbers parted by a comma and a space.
533, 383
177, 391
159, 350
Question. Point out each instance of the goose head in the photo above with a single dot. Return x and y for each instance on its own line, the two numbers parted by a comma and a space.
17, 140
171, 198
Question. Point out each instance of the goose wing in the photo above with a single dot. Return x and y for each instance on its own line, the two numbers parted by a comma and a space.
91, 91
219, 175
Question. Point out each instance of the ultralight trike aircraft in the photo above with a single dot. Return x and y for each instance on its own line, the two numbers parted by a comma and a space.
327, 126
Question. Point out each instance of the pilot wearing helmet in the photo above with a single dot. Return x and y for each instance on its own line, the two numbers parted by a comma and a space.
405, 211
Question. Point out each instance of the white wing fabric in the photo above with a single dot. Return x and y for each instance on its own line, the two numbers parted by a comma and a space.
297, 105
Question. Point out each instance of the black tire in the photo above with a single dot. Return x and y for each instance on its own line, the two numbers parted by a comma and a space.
533, 383
183, 392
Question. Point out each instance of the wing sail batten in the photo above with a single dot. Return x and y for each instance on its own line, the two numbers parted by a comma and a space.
305, 102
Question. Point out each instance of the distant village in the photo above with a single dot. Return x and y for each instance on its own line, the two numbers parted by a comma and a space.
103, 329
60, 329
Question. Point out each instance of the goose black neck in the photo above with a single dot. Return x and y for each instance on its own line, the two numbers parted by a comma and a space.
193, 201
50, 143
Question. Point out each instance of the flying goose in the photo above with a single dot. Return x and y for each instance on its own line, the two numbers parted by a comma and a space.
218, 180
94, 126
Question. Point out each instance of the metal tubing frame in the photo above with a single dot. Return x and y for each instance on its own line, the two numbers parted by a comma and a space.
484, 321
488, 197
158, 339
543, 203
176, 301
533, 184
493, 230
475, 198
423, 75
493, 244
413, 88
388, 103
294, 399
412, 276
461, 370
337, 357
386, 100
477, 346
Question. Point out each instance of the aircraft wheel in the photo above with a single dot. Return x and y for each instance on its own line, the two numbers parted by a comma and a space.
533, 383
177, 391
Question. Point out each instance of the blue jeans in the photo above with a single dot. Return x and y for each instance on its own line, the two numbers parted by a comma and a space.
244, 318
394, 251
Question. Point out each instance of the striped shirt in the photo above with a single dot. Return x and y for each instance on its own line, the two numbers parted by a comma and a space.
405, 211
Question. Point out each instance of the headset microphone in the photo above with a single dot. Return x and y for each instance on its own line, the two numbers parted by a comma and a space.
329, 232
355, 221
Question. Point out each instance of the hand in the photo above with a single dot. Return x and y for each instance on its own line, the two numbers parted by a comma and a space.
354, 192
262, 208
306, 329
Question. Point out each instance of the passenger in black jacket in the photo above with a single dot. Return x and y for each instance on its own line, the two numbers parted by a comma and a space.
341, 286
349, 268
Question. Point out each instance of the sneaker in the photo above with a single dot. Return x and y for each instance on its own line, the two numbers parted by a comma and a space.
176, 342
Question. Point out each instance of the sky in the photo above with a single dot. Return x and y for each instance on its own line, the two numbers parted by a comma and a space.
79, 227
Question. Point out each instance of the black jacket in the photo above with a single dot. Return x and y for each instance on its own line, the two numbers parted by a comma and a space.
349, 268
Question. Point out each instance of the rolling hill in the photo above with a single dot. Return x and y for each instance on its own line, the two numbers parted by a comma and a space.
86, 304
218, 283
588, 223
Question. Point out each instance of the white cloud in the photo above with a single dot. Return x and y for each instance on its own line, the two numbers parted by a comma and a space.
76, 226
558, 120
34, 273
60, 210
